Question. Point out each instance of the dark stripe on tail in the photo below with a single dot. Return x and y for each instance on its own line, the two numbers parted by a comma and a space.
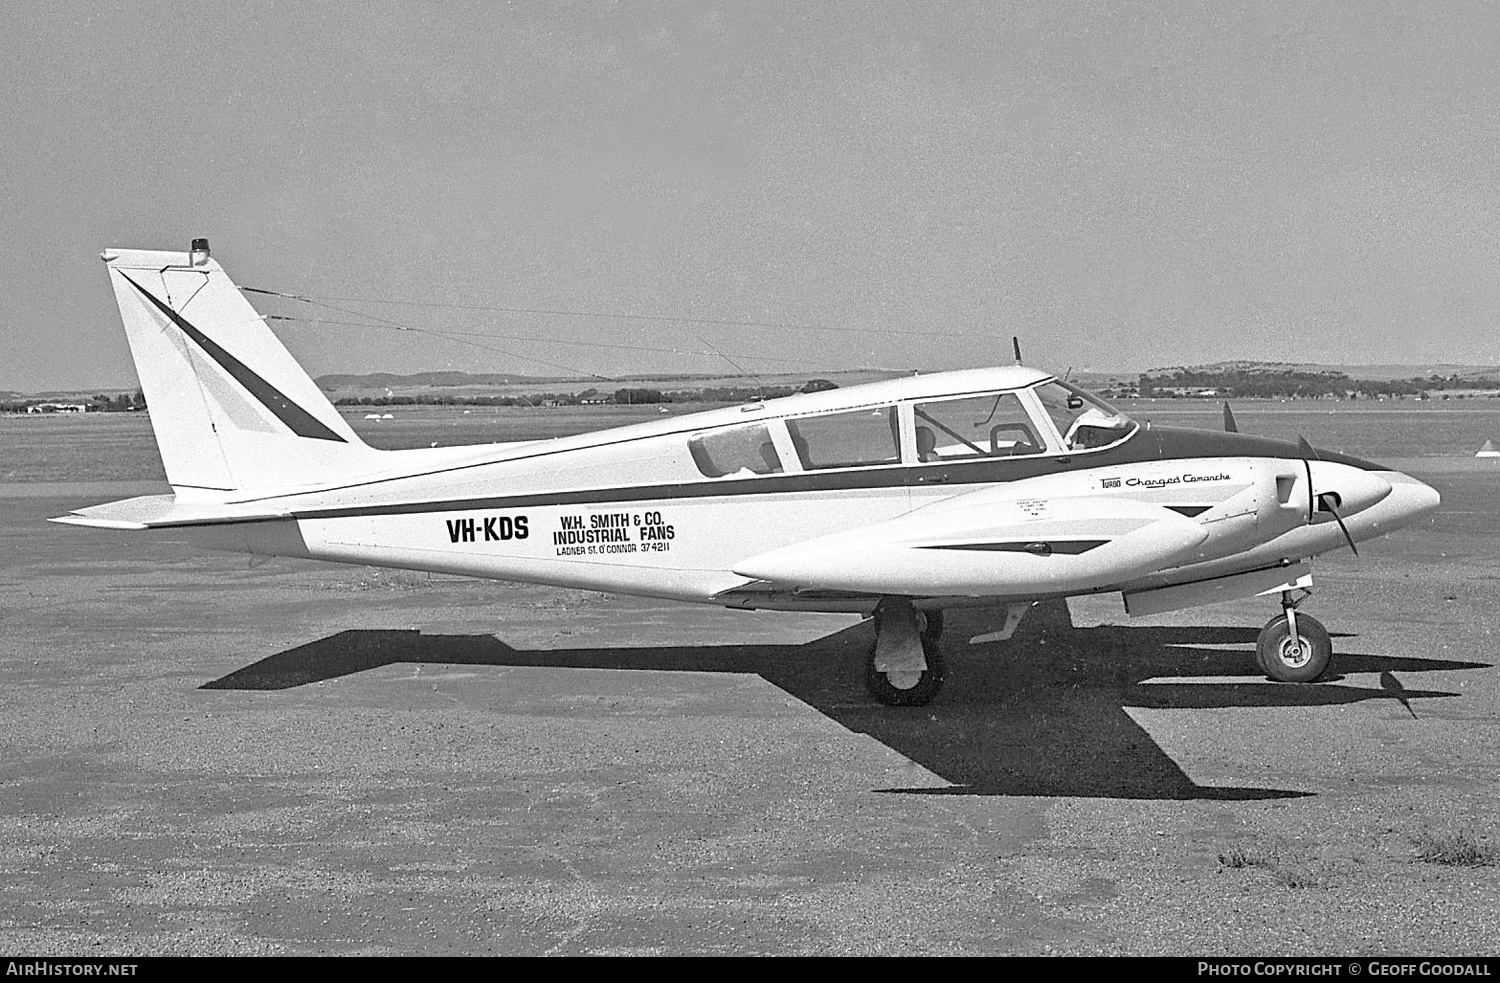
301, 422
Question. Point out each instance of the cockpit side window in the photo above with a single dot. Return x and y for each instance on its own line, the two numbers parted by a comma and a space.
992, 425
1084, 420
847, 440
735, 451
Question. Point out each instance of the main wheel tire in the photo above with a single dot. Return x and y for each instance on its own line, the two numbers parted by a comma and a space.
931, 623
1301, 661
906, 689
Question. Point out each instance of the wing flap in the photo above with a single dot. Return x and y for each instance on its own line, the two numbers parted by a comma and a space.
1225, 587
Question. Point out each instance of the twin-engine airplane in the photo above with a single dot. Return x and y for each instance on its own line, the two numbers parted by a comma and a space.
1000, 486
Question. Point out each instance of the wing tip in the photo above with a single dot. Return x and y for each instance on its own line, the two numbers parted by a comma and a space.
75, 519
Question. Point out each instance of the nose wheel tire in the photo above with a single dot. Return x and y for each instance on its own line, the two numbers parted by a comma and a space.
910, 688
1300, 660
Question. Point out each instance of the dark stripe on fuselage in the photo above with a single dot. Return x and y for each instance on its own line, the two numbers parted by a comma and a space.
301, 422
1066, 547
1143, 447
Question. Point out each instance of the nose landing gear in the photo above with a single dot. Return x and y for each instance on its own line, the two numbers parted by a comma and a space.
1293, 648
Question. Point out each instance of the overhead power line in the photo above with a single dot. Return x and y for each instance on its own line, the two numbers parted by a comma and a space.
557, 312
463, 337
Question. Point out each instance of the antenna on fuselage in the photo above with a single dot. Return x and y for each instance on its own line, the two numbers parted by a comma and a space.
1016, 341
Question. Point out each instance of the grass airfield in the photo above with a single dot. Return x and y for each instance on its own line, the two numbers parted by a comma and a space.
201, 755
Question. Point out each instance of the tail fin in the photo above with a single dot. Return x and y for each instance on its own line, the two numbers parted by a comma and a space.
231, 408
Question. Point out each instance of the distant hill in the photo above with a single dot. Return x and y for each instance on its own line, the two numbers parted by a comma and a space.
1379, 372
1280, 380
64, 395
376, 383
468, 384
389, 380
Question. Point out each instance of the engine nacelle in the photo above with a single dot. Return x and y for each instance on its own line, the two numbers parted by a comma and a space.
1280, 498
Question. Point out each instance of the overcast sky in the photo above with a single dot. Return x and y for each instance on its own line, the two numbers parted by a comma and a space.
1122, 185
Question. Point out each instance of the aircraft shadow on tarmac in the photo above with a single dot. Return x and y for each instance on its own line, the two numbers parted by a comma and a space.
1042, 714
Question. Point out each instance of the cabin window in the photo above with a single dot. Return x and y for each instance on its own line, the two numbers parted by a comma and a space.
993, 425
735, 451
1084, 420
847, 440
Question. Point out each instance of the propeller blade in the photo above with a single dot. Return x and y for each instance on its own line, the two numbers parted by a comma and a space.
1306, 453
1325, 504
1229, 425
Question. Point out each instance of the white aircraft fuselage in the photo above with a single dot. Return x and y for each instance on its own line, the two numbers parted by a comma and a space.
986, 486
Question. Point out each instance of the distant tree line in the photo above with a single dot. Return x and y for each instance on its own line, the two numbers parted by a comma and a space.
100, 403
626, 397
1290, 383
123, 403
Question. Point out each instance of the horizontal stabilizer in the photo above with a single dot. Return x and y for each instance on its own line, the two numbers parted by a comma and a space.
163, 511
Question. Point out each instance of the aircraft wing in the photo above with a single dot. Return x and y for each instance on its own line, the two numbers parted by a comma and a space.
985, 545
162, 511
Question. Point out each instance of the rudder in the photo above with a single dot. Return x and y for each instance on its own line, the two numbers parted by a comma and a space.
230, 407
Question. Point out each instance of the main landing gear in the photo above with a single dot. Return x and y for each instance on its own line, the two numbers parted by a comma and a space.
905, 668
1293, 648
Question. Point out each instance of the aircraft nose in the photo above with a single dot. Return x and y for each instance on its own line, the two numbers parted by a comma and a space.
1407, 501
1415, 499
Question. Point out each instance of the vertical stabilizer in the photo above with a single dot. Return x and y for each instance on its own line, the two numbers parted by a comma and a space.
232, 410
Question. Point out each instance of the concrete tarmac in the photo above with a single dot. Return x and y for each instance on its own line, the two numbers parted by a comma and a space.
203, 756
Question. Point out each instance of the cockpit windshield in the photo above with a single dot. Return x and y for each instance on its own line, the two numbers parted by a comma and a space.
1084, 420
